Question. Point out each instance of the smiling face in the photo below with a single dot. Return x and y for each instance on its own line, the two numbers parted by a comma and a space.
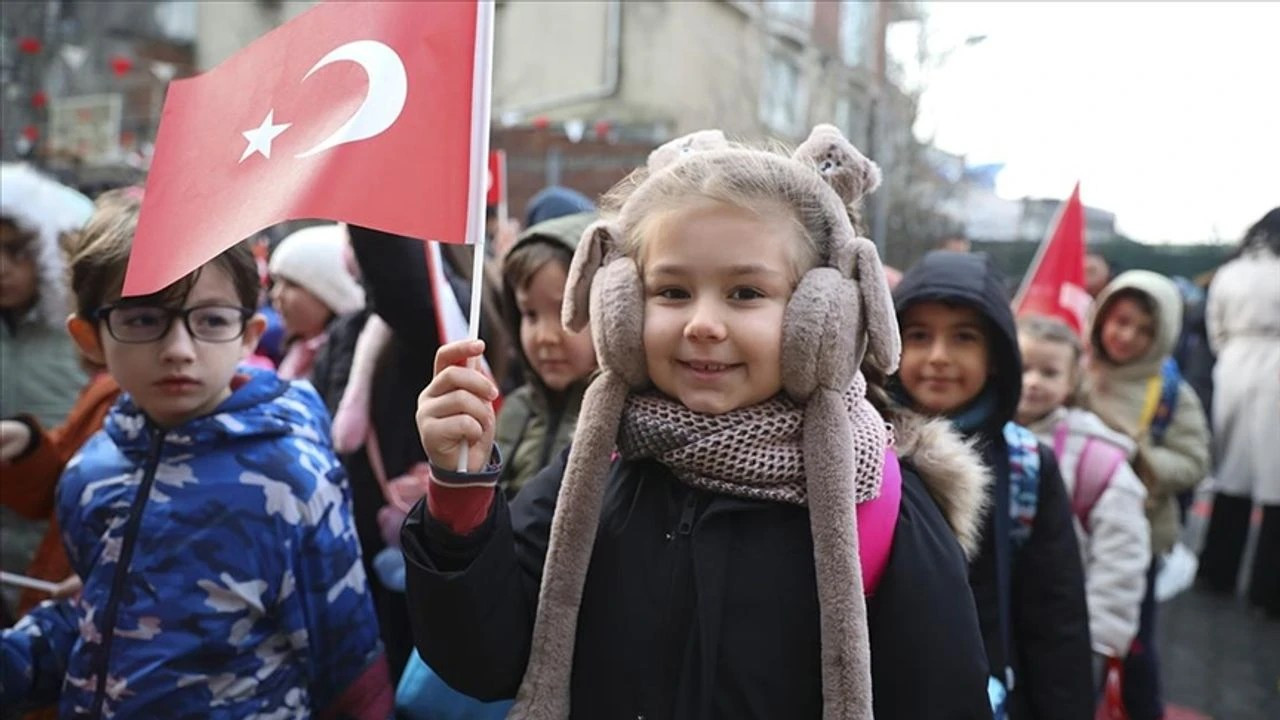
716, 282
1128, 330
559, 357
176, 378
1048, 376
944, 356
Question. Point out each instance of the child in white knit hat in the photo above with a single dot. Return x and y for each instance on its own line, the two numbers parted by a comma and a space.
311, 285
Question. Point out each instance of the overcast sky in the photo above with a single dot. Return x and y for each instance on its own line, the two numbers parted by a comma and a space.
1167, 112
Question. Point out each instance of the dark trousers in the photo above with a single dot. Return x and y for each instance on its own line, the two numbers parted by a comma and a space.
1141, 689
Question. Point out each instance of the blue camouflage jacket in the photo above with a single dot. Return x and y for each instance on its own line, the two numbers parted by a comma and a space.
222, 576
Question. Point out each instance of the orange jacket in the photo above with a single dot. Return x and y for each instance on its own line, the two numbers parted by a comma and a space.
31, 481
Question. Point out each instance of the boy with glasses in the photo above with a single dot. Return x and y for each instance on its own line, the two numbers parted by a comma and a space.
209, 520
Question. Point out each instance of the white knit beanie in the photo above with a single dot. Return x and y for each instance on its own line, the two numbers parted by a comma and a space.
313, 259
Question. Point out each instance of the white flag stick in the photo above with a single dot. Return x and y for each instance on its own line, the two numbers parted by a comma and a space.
8, 578
482, 88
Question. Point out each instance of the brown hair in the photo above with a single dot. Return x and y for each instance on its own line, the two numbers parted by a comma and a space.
525, 261
1050, 329
100, 256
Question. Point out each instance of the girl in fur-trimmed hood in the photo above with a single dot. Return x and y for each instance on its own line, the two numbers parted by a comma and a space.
708, 546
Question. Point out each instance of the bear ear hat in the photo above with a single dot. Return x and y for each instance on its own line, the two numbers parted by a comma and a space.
852, 176
850, 173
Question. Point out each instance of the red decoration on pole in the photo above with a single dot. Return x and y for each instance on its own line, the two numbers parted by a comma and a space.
602, 129
31, 133
542, 122
121, 65
39, 99
29, 45
1054, 284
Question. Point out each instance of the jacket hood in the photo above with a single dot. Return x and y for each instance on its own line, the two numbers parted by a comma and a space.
566, 232
553, 202
39, 204
972, 280
263, 406
1164, 295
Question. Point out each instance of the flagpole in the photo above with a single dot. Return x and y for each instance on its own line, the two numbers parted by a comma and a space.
1044, 247
482, 89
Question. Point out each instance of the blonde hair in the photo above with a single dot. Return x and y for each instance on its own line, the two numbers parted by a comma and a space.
1050, 329
754, 180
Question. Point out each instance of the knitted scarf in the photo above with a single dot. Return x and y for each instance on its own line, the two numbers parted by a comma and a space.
753, 452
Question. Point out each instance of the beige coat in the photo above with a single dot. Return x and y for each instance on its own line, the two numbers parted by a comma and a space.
1116, 549
1243, 320
1117, 394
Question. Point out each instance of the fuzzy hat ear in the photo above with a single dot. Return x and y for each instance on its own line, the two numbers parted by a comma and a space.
673, 150
848, 171
599, 241
860, 261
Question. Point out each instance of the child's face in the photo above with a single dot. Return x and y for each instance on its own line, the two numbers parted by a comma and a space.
716, 284
178, 377
944, 356
559, 357
1048, 374
17, 268
1127, 331
304, 315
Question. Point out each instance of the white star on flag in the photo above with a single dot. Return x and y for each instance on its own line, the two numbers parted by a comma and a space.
260, 138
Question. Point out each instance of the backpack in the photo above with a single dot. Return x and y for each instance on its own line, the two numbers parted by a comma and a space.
1094, 470
1161, 400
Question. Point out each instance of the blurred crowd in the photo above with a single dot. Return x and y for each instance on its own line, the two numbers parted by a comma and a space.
293, 366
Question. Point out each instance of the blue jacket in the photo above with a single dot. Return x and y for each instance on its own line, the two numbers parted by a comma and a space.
223, 555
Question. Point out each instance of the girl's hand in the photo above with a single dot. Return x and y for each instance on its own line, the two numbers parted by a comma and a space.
457, 407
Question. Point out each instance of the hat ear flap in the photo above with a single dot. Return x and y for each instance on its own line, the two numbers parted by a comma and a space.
599, 241
884, 343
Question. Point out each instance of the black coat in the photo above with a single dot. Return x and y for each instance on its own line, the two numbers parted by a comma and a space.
1048, 632
695, 605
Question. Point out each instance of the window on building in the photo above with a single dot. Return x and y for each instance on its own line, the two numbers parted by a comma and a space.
798, 12
855, 19
784, 99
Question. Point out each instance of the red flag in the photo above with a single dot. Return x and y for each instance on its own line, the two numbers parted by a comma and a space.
361, 112
1054, 284
496, 179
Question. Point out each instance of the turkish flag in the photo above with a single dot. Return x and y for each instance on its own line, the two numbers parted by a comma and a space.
360, 112
1054, 284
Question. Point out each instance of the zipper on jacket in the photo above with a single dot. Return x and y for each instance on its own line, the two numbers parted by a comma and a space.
549, 440
109, 616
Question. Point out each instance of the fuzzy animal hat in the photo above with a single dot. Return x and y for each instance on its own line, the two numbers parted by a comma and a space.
840, 311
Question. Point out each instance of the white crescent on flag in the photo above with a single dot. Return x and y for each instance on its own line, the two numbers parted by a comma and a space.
388, 88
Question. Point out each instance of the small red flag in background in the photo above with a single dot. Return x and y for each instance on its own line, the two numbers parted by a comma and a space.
1054, 284
360, 112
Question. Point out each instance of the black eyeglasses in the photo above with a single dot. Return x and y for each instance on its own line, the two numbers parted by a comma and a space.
148, 323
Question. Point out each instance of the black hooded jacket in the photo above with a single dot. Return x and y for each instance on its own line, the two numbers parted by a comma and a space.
1048, 632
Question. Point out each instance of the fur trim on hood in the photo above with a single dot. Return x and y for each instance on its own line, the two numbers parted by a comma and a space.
39, 204
952, 470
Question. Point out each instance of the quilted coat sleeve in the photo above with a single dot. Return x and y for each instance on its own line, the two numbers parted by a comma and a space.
35, 653
334, 609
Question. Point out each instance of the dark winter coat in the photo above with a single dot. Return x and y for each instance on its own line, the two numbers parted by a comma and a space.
696, 605
1048, 632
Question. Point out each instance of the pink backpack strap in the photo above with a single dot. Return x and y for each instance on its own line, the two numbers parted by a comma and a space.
877, 521
1098, 462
